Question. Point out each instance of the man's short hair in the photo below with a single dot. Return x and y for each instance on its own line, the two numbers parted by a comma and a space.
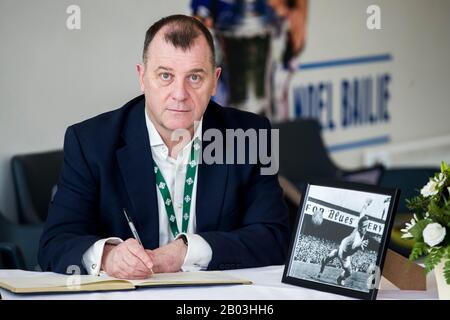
362, 220
181, 34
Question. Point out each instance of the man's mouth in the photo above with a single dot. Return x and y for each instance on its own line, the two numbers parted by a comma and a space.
178, 110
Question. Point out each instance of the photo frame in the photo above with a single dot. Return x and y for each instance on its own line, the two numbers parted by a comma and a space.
340, 238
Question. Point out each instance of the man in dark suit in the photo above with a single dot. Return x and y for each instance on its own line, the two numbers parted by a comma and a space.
189, 214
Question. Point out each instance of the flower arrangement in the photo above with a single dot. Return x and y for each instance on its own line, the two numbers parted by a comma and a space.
430, 227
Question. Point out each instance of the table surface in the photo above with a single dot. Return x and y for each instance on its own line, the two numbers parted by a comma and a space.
266, 285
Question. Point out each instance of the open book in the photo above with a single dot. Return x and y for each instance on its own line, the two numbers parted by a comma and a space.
53, 282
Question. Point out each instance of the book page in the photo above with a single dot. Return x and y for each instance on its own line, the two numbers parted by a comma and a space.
35, 282
189, 278
54, 282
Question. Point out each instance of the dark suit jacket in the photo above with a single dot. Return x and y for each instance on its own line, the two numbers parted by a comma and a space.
108, 166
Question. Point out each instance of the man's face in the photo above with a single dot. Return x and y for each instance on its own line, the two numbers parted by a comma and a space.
363, 227
177, 84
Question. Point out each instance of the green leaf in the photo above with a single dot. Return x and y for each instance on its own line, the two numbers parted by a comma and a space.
444, 166
433, 258
417, 229
418, 204
447, 271
439, 212
418, 250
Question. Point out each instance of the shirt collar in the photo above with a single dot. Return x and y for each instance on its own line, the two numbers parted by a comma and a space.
155, 137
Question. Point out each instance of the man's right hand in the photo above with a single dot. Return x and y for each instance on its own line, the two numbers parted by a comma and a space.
128, 260
364, 244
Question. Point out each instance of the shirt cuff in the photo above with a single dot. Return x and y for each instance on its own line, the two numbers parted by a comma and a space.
92, 258
198, 255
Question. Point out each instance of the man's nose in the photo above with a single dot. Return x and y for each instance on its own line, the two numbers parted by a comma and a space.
179, 91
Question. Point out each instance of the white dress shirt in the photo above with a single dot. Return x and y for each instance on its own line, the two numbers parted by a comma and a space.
199, 252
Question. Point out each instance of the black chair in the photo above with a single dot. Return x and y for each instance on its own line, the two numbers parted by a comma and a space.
19, 245
292, 197
409, 181
35, 177
10, 256
304, 157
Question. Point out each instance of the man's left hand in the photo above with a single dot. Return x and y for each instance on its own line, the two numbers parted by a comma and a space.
169, 258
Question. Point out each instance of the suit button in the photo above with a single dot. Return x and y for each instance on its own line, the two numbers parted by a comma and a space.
93, 266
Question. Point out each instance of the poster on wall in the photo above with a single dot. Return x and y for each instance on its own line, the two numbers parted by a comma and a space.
259, 47
259, 43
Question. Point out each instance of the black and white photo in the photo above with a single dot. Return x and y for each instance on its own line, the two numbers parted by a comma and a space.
340, 238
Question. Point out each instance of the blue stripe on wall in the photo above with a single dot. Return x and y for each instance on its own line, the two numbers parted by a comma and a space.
359, 143
345, 62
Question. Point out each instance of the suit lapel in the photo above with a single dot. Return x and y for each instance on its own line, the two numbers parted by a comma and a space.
136, 166
212, 179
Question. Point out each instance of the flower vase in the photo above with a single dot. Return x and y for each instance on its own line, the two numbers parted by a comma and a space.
442, 286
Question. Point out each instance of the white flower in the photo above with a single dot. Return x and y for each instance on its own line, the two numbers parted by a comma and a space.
413, 222
408, 226
406, 235
433, 234
430, 189
440, 179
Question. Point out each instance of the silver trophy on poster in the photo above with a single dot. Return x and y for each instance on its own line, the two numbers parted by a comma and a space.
244, 37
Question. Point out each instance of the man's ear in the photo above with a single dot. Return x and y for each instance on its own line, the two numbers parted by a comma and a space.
217, 73
140, 68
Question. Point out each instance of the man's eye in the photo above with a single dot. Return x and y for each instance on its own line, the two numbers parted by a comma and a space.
165, 76
195, 78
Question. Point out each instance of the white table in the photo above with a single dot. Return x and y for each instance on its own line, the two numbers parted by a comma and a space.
266, 286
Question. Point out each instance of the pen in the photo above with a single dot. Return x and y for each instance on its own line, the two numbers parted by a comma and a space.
133, 229
131, 224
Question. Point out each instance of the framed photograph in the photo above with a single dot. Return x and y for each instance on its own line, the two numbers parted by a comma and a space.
340, 238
